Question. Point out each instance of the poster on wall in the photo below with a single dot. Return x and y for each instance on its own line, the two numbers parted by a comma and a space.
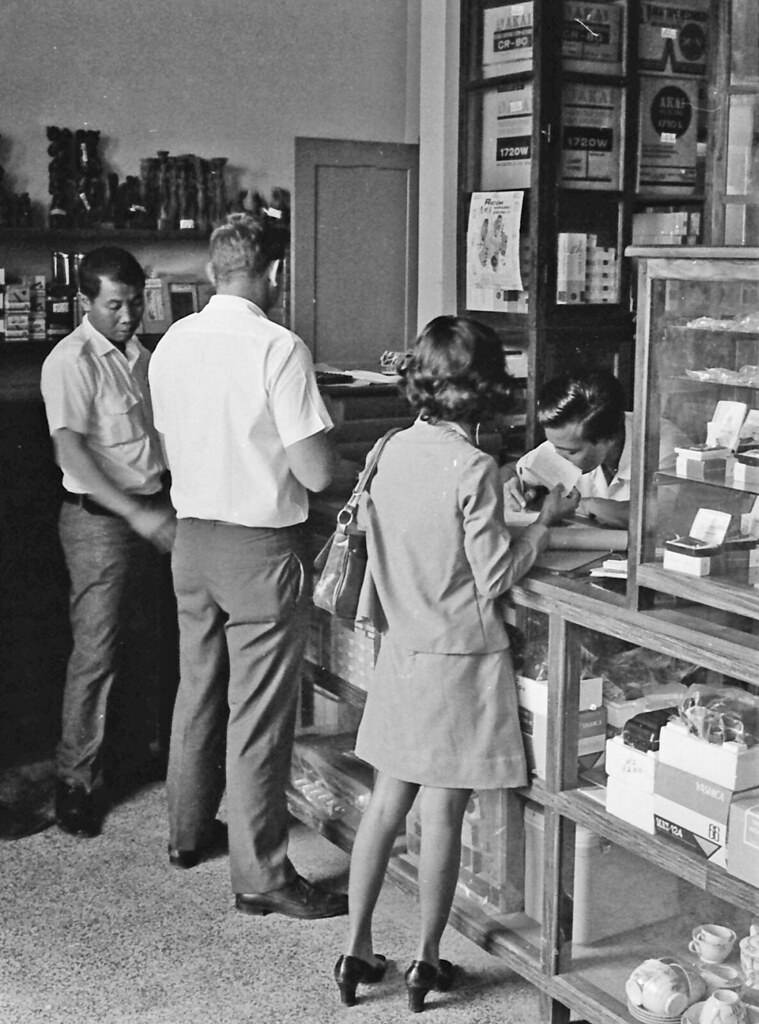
674, 36
507, 39
667, 135
507, 136
492, 250
591, 127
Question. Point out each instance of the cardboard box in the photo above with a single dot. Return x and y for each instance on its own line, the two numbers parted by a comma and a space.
591, 145
614, 890
693, 811
630, 803
730, 765
636, 768
667, 136
691, 565
533, 693
507, 39
507, 136
674, 36
590, 744
700, 469
591, 38
743, 837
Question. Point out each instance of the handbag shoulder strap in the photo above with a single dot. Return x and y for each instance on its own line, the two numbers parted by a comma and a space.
347, 513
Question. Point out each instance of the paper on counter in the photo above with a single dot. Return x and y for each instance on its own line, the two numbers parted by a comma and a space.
544, 467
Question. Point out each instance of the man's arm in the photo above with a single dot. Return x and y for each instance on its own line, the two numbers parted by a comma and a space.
606, 511
313, 461
73, 455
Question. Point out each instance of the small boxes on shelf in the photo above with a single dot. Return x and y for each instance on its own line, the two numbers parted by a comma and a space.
746, 468
692, 555
702, 462
743, 837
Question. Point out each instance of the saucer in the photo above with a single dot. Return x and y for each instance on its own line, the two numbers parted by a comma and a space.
641, 1014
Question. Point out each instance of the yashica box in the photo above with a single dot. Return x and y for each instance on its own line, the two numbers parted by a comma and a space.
635, 768
743, 837
692, 810
730, 765
626, 801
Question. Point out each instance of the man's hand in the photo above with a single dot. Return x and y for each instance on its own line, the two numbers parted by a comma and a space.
515, 498
158, 525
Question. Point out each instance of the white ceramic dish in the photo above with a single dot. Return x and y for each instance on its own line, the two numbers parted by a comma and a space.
650, 1018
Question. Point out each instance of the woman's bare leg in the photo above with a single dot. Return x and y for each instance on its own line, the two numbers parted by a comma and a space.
390, 803
442, 812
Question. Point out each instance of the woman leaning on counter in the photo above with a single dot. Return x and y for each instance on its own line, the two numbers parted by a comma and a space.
441, 711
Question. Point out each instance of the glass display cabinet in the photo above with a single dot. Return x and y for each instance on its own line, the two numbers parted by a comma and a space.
694, 531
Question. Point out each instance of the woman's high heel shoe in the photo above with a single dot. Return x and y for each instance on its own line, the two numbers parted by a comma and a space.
352, 970
421, 977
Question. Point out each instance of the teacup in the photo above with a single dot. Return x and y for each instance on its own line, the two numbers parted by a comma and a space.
664, 987
712, 942
723, 1007
749, 948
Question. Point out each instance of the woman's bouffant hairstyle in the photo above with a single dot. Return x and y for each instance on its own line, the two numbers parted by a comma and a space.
456, 371
596, 400
246, 244
112, 262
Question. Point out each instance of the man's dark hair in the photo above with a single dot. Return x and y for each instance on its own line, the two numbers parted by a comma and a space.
595, 400
457, 371
112, 262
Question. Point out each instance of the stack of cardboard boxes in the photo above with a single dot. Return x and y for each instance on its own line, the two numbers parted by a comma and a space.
696, 784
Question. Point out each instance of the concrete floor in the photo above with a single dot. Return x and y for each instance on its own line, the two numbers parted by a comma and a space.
104, 931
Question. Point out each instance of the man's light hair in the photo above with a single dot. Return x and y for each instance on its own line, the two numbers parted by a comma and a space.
238, 247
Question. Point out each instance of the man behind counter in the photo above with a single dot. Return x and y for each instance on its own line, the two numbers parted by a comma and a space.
584, 420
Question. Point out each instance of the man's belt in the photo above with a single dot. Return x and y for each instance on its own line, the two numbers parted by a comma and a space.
89, 504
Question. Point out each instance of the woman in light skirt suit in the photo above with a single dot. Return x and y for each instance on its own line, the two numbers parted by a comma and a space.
441, 713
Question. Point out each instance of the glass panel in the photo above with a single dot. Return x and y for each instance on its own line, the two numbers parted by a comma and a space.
629, 913
744, 42
664, 783
703, 458
743, 146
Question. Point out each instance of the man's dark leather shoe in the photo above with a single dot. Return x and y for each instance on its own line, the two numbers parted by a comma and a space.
218, 843
297, 899
77, 811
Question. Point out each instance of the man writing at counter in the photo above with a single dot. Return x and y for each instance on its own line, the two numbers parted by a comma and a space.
245, 432
584, 420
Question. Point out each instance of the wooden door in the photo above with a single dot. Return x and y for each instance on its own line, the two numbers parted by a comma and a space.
355, 223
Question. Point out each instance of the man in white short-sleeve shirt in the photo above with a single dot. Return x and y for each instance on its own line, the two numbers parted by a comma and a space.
114, 514
245, 434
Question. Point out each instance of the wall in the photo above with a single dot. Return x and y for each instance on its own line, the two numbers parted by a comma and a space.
235, 78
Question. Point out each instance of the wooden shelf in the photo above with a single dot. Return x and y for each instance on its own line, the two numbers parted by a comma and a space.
706, 590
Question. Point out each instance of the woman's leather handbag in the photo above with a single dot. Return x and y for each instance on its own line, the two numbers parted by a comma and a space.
342, 561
